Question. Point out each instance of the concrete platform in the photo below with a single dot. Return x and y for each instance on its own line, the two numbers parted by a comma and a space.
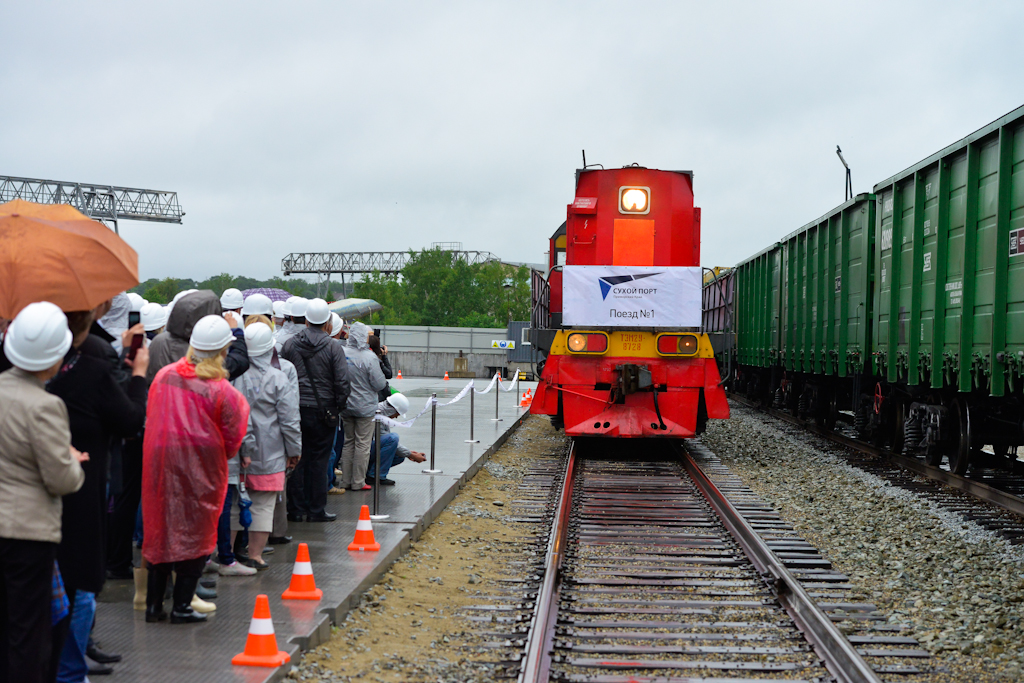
193, 653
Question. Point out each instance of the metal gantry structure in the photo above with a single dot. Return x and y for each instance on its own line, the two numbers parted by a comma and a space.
344, 263
108, 203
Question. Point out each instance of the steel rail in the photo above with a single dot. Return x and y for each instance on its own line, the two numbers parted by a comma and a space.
838, 654
982, 491
537, 666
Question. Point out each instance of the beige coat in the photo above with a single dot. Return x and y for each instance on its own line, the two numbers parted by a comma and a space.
36, 467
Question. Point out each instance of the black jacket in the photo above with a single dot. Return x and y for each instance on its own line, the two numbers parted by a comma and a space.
385, 367
328, 364
100, 410
121, 372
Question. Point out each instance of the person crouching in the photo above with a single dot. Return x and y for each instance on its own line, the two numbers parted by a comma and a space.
195, 423
391, 451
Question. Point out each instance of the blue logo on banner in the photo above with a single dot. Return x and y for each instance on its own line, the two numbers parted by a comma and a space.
608, 282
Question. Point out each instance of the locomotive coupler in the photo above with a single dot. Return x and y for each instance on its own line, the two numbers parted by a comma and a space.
633, 378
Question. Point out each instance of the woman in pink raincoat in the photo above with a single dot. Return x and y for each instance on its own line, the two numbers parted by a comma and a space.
195, 423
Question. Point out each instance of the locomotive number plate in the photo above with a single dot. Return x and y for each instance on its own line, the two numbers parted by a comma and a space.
632, 342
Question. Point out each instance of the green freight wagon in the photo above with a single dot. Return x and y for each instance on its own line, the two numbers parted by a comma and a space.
949, 301
803, 313
904, 306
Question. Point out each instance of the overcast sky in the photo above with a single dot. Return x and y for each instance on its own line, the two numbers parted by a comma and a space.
341, 126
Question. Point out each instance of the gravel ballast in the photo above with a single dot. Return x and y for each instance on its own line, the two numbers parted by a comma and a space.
960, 587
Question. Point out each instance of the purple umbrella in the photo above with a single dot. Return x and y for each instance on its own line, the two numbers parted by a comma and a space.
270, 292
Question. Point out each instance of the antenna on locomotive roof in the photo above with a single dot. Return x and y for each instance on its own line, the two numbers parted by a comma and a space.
848, 192
585, 167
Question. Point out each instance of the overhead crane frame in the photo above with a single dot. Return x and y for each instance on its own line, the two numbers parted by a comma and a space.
107, 203
324, 264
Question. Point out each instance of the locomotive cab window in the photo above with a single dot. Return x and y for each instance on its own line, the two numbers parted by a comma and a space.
635, 200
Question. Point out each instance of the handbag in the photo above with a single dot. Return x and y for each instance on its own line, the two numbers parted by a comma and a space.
244, 503
326, 414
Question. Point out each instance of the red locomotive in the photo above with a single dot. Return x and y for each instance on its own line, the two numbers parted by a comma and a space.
618, 315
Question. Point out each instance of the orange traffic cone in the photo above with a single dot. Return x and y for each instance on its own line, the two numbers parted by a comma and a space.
446, 375
399, 375
522, 402
303, 586
364, 532
261, 646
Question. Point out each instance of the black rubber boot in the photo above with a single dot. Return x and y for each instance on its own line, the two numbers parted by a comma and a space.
184, 589
156, 584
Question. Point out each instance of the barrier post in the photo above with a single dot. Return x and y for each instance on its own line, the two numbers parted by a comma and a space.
433, 434
376, 473
472, 416
497, 392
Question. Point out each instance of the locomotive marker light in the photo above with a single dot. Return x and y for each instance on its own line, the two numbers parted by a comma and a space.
587, 343
635, 200
677, 344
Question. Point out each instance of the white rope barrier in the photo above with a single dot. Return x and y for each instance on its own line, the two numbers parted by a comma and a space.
431, 400
489, 386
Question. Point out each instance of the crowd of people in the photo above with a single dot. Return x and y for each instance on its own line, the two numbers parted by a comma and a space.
169, 444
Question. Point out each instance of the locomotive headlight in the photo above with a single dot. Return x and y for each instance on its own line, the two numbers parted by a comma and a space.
577, 342
688, 344
634, 199
587, 342
677, 344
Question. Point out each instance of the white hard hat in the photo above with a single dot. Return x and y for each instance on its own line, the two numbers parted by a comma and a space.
182, 293
399, 402
137, 302
297, 307
336, 323
38, 337
153, 317
256, 304
258, 339
317, 311
279, 309
211, 333
231, 299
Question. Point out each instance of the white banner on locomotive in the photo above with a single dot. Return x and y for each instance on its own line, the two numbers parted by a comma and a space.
631, 296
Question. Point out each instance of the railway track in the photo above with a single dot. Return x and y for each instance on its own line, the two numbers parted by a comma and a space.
666, 567
1003, 491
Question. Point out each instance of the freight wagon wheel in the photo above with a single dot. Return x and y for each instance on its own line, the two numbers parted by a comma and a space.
960, 452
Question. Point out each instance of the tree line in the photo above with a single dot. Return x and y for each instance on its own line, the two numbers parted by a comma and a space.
434, 288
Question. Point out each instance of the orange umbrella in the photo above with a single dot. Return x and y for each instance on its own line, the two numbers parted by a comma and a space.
52, 252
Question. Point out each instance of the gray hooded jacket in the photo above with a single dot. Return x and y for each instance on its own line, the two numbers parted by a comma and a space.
364, 373
274, 434
171, 345
287, 330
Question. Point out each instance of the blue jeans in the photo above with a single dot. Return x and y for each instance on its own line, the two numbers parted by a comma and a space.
388, 455
339, 443
73, 668
224, 551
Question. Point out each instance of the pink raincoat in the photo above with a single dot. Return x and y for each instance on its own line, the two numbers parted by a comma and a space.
193, 427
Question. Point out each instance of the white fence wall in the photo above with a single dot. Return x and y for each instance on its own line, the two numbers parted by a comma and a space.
475, 340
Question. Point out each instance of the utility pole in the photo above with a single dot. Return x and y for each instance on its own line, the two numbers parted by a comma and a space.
848, 194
